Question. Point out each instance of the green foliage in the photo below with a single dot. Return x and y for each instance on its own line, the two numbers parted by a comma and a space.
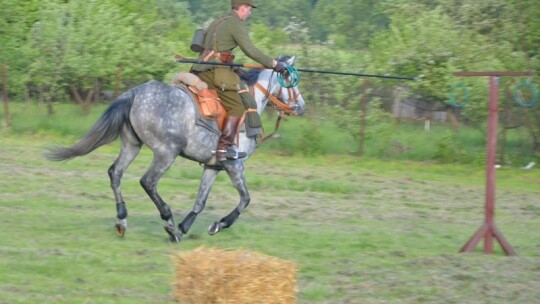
450, 150
275, 14
16, 20
443, 39
380, 128
379, 125
348, 24
427, 46
55, 50
311, 141
76, 44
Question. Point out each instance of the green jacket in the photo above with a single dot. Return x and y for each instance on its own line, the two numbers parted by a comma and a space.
230, 32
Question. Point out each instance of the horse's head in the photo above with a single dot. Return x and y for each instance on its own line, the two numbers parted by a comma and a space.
291, 96
268, 88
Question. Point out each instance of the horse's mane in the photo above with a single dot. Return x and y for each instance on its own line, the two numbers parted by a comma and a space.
250, 76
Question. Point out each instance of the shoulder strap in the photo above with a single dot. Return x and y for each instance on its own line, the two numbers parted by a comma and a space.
213, 33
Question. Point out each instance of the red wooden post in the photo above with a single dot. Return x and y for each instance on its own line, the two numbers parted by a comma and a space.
489, 230
493, 119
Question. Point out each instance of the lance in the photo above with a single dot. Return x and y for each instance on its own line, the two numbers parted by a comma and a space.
254, 66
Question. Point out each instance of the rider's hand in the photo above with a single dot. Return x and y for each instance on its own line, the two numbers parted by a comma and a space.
281, 68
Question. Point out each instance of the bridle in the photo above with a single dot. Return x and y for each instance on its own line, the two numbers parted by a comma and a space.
283, 107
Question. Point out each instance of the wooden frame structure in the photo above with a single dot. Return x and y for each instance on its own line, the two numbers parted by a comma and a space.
489, 230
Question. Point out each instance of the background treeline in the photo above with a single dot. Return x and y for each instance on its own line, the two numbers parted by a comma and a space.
86, 51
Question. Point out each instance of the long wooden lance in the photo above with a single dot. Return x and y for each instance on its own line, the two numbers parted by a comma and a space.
254, 66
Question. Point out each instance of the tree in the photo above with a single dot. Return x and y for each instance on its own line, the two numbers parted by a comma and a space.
81, 47
47, 43
17, 18
275, 14
349, 24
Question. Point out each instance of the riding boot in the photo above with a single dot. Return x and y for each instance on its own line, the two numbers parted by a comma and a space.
226, 148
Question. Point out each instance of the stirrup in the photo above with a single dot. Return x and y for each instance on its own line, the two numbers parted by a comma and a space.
231, 153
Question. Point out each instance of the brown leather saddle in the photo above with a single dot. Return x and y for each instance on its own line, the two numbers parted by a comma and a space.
207, 100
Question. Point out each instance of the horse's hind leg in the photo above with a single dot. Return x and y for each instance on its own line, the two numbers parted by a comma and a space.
236, 174
128, 152
207, 180
161, 163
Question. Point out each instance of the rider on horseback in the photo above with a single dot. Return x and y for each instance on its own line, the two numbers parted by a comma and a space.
222, 36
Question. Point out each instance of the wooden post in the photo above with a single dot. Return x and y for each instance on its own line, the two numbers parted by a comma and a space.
489, 230
5, 97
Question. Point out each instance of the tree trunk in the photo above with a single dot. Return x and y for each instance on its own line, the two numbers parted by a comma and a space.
97, 91
75, 92
118, 82
396, 101
79, 100
363, 114
86, 102
452, 117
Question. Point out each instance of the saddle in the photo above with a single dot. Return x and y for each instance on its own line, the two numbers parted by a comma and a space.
207, 100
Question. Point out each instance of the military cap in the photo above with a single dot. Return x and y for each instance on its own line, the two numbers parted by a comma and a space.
248, 2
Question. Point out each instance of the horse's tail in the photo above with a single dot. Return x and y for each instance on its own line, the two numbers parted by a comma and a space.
104, 131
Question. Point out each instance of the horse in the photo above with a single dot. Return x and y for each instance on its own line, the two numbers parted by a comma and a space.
166, 119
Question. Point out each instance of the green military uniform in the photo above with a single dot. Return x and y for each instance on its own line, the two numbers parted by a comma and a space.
224, 35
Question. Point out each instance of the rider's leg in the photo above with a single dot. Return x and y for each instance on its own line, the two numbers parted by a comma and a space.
232, 102
226, 148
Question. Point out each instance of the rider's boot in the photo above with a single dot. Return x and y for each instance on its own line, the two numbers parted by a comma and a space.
226, 148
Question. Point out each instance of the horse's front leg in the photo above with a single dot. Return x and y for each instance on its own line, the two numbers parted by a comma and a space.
236, 174
207, 180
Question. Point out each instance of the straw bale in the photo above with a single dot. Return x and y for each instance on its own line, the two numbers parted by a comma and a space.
207, 275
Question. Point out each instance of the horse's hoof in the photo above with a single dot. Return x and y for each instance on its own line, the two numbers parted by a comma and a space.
174, 237
120, 228
215, 228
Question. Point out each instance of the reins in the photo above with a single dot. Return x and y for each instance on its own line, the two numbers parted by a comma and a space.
284, 108
277, 103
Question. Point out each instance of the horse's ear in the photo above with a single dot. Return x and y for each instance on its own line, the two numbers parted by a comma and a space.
290, 61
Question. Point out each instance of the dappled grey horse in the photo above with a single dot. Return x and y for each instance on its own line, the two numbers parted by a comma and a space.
165, 118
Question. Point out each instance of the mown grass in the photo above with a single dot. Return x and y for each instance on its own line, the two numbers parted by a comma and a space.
361, 230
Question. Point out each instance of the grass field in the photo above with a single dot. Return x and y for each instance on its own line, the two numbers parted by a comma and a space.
316, 135
361, 230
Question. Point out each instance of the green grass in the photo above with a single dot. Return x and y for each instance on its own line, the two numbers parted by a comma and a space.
310, 136
361, 230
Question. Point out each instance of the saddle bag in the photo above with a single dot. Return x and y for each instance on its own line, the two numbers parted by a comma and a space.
209, 104
207, 100
253, 120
